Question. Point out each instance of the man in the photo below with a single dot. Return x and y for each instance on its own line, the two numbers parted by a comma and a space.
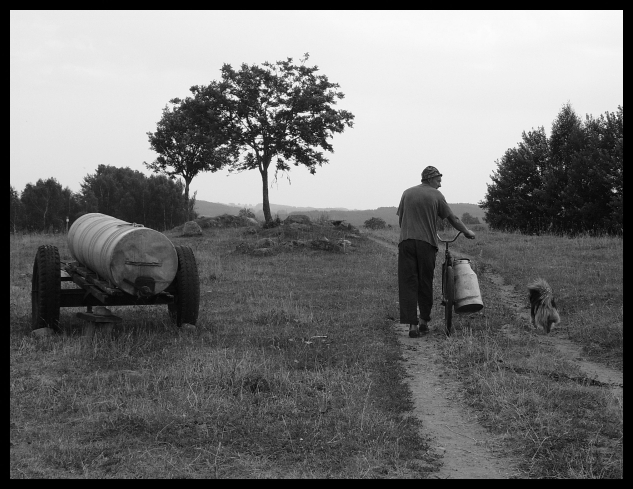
419, 208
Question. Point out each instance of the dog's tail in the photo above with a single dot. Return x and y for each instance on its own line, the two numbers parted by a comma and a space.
540, 289
544, 312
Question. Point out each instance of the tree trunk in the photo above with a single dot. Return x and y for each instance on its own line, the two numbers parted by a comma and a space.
264, 172
187, 198
45, 212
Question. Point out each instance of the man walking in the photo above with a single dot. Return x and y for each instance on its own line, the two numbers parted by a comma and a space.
419, 208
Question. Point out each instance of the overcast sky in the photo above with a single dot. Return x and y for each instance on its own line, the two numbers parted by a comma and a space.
450, 89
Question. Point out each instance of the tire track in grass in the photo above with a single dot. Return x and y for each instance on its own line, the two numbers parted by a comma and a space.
572, 352
598, 376
467, 450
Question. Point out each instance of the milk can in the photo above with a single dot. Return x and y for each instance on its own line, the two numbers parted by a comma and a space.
467, 295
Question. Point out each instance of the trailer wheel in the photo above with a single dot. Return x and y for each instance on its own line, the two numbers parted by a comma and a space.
46, 288
185, 288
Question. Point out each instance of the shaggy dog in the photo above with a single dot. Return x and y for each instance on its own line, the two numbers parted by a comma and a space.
544, 312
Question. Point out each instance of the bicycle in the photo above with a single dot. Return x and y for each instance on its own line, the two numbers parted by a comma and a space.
448, 285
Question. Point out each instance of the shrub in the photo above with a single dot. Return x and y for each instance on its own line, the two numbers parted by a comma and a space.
272, 224
246, 212
468, 219
375, 223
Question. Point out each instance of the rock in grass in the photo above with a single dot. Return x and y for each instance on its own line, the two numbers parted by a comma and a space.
298, 218
262, 252
299, 227
265, 243
42, 332
252, 221
191, 228
325, 245
345, 226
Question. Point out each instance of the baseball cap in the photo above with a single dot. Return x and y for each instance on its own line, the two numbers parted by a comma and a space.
430, 172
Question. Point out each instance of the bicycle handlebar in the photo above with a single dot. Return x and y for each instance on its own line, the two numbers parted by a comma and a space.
446, 240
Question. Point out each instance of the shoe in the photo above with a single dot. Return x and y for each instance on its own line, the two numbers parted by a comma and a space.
423, 328
414, 332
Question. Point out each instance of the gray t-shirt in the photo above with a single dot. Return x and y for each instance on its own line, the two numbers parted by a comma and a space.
419, 208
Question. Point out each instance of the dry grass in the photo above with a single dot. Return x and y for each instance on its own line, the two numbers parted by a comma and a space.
586, 274
256, 391
522, 388
292, 372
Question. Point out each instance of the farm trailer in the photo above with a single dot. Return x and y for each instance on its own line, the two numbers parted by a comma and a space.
117, 263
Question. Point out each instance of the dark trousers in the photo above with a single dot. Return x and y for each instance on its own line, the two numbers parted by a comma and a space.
416, 265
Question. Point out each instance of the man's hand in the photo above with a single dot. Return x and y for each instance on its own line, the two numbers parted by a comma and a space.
459, 225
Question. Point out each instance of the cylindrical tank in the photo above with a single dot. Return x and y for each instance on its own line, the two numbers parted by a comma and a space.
136, 259
467, 295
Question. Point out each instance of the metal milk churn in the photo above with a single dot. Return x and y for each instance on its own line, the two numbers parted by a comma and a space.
467, 295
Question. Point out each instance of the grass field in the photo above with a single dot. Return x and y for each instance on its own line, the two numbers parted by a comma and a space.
294, 370
586, 274
519, 385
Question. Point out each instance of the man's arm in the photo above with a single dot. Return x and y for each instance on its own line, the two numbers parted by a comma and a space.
459, 225
400, 210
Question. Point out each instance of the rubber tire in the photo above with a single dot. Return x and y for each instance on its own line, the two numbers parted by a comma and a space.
450, 299
46, 286
185, 288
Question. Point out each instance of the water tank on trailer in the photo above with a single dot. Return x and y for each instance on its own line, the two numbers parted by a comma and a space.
136, 259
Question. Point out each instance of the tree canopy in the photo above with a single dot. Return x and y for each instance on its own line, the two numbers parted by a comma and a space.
570, 182
43, 206
156, 201
189, 141
281, 112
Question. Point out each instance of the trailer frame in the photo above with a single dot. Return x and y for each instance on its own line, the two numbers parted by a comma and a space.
182, 296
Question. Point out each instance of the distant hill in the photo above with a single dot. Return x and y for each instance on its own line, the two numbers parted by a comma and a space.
355, 217
212, 209
473, 209
290, 209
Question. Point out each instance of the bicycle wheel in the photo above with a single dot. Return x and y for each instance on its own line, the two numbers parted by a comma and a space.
443, 282
449, 283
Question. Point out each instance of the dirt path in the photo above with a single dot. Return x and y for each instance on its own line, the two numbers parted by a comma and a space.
570, 350
468, 450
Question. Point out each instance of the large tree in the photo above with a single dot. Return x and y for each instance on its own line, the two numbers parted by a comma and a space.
566, 141
598, 174
570, 182
189, 142
115, 192
156, 202
281, 112
15, 211
46, 205
512, 201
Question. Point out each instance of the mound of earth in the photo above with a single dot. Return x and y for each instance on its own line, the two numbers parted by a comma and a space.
297, 234
226, 221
